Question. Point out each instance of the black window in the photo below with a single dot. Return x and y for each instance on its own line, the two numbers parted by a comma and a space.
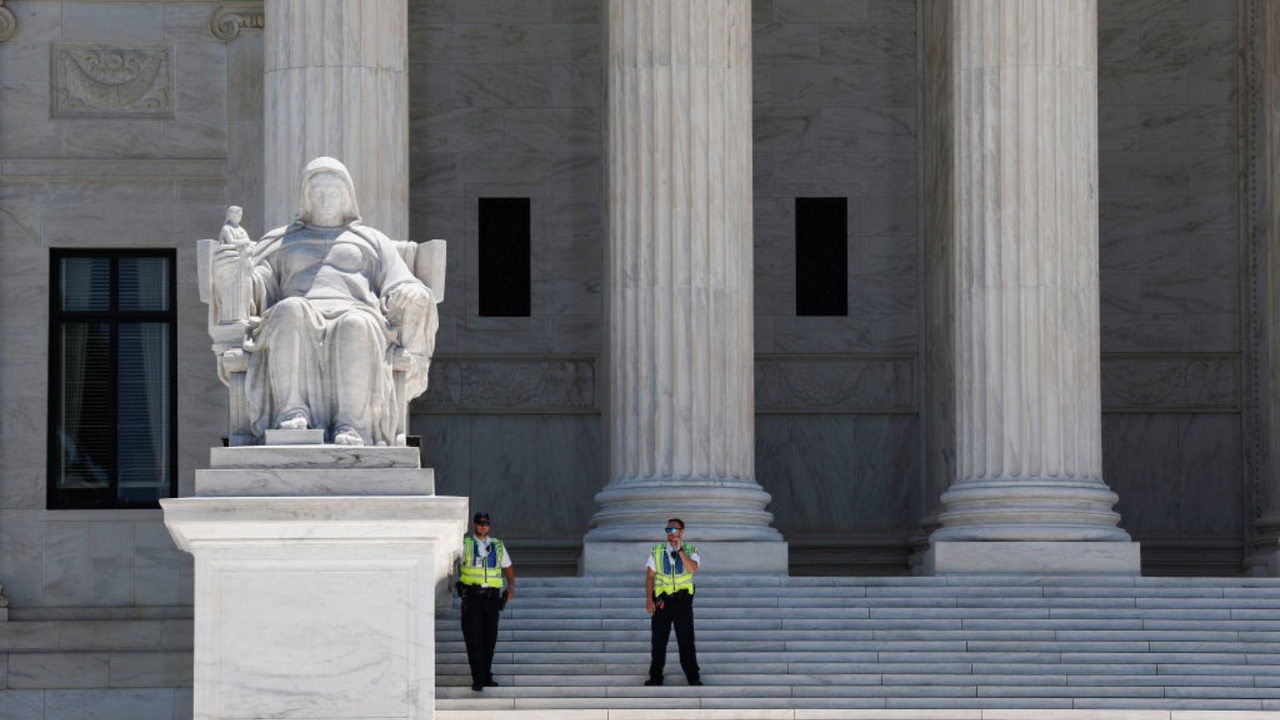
504, 257
112, 378
822, 256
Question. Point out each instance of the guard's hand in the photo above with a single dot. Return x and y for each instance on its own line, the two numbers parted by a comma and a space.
511, 592
649, 606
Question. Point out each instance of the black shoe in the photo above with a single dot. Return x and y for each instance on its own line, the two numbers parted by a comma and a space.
477, 686
491, 683
653, 681
695, 682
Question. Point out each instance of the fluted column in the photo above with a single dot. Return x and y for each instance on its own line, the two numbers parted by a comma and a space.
680, 421
337, 85
1025, 273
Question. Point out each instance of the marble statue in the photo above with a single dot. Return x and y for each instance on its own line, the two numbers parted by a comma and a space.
328, 319
232, 233
232, 301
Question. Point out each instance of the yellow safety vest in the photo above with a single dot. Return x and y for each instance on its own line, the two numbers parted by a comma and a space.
671, 577
482, 570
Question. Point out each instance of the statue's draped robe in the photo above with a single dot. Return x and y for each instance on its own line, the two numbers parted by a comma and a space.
324, 347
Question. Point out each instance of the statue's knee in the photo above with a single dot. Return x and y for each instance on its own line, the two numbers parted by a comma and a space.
356, 323
291, 308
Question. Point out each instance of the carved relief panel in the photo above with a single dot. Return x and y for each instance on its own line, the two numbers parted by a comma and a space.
95, 80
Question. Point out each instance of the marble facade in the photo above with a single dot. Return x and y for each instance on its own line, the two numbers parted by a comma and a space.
506, 99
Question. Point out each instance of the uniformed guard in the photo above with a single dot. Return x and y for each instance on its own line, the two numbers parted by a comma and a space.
484, 570
669, 590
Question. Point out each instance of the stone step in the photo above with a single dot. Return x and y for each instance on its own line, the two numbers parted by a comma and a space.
1100, 617
710, 630
841, 714
677, 688
636, 674
1266, 607
841, 644
711, 578
1262, 675
710, 658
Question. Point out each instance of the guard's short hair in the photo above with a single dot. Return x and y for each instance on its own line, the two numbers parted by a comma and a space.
676, 520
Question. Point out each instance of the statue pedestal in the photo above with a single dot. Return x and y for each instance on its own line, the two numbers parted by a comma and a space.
310, 605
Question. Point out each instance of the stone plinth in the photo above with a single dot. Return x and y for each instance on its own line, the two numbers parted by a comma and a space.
310, 605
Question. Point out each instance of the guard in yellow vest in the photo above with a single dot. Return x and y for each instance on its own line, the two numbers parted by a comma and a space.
669, 597
482, 569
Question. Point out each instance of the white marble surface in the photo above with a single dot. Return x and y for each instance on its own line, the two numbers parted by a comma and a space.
1025, 268
337, 85
680, 418
312, 457
325, 481
947, 557
316, 607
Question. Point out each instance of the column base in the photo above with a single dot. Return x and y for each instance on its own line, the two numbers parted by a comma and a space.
721, 557
947, 557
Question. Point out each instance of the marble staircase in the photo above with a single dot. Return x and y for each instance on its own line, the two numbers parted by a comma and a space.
814, 648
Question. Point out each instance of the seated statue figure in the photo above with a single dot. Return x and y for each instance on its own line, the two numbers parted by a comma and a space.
333, 311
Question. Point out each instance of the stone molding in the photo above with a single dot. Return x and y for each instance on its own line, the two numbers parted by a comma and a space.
569, 385
810, 385
152, 170
232, 17
559, 385
116, 80
1146, 383
8, 23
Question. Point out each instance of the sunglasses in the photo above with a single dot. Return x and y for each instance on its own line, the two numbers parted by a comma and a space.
484, 524
673, 530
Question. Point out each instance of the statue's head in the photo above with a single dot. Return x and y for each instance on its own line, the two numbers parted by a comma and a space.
328, 196
234, 214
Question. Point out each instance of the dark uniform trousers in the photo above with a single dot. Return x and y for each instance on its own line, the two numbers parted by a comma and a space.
676, 609
480, 632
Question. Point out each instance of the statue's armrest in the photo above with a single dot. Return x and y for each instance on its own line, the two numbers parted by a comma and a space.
427, 261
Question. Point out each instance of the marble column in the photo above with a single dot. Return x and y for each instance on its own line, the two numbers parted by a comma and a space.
1028, 493
337, 84
680, 416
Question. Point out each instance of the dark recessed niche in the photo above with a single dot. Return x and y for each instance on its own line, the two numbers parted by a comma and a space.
822, 256
504, 254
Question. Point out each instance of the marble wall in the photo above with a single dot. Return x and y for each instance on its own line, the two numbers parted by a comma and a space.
836, 116
505, 101
1170, 248
100, 600
75, 174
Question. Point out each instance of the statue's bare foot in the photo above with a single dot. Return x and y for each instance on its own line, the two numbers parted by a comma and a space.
347, 436
294, 422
